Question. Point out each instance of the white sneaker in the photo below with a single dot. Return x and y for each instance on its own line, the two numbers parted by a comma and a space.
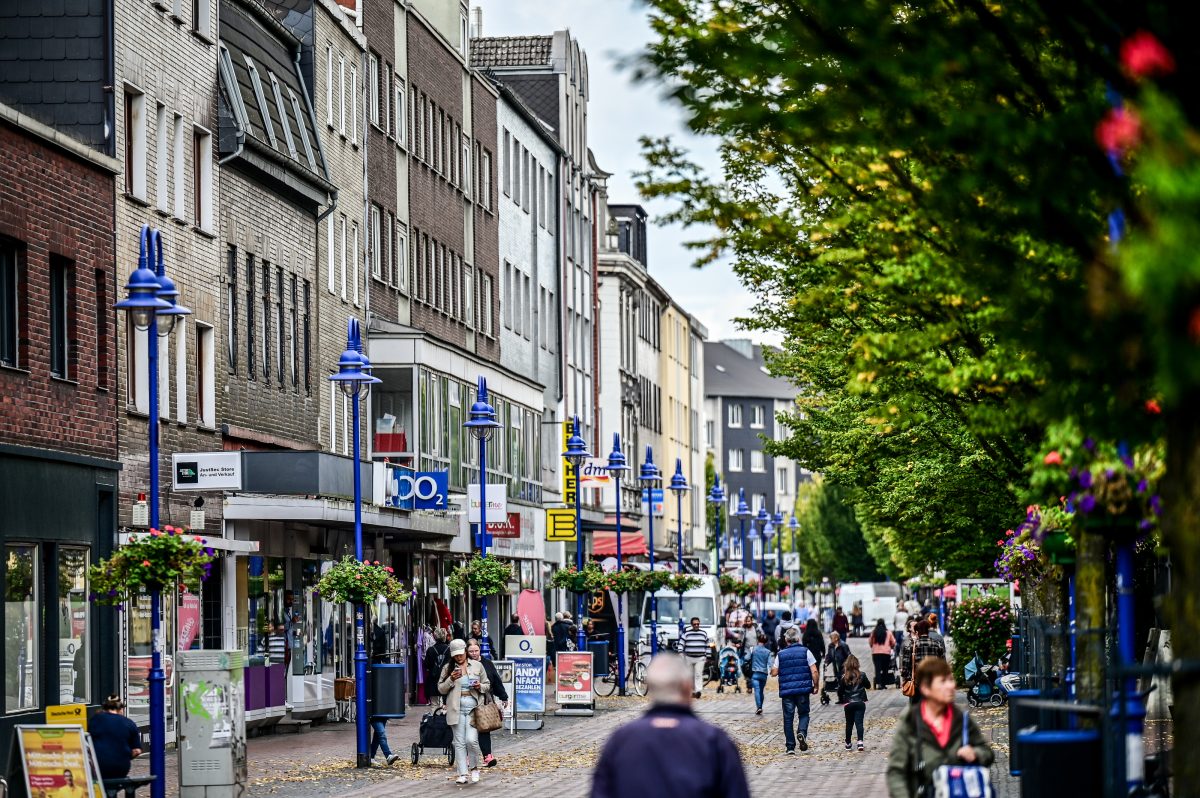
474, 776
461, 780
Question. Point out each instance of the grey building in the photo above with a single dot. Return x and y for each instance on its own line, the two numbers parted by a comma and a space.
741, 399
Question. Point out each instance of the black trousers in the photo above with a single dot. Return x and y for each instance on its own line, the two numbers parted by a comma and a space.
855, 712
883, 664
485, 743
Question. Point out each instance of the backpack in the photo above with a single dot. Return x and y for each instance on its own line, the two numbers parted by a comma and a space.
439, 663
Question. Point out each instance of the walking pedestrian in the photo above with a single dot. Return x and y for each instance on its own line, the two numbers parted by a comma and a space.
930, 734
935, 632
854, 684
802, 614
899, 624
561, 631
837, 654
760, 667
436, 657
768, 625
513, 629
117, 739
463, 682
911, 656
474, 652
669, 752
379, 741
796, 668
477, 634
695, 651
841, 624
856, 619
882, 643
813, 640
784, 624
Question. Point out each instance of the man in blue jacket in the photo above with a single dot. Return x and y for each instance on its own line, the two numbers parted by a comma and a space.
796, 668
669, 752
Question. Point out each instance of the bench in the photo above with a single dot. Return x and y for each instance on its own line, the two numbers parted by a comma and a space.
129, 785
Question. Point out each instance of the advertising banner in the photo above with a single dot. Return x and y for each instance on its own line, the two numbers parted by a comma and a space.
529, 684
573, 677
67, 715
56, 761
206, 471
497, 501
525, 645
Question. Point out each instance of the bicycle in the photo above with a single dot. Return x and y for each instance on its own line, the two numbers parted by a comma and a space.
606, 684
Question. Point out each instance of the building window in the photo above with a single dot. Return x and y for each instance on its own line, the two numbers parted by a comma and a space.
102, 312
250, 342
782, 481
266, 320
292, 331
280, 330
343, 254
757, 462
181, 371
135, 143
264, 109
374, 245
231, 329
179, 187
329, 85
710, 434
373, 88
386, 97
760, 501
137, 369
401, 107
201, 178
284, 120
735, 459
735, 415
464, 32
506, 166
74, 611
62, 295
465, 174
202, 18
330, 262
307, 341
485, 179
10, 306
299, 114
342, 94
206, 413
757, 416
401, 259
162, 154
485, 301
22, 635
354, 259
353, 104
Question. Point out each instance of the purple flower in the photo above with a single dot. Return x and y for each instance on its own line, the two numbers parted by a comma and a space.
1070, 506
1089, 444
1156, 504
112, 592
1146, 525
1085, 479
1109, 473
1087, 504
1143, 486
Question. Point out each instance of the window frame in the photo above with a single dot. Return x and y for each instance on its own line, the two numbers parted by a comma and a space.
733, 416
60, 330
11, 310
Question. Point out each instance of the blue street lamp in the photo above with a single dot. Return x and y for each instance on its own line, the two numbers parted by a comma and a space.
616, 467
716, 497
679, 486
794, 525
777, 521
576, 454
354, 378
763, 520
482, 424
743, 512
650, 477
149, 295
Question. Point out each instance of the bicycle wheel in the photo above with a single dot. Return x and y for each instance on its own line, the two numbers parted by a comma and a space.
637, 678
605, 684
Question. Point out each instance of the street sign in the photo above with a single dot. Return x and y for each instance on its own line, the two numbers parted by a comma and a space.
417, 490
67, 715
791, 561
657, 495
529, 684
206, 471
560, 524
497, 500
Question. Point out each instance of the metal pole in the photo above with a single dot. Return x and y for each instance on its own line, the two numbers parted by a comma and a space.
484, 647
679, 526
653, 593
1130, 707
360, 622
1071, 616
762, 559
158, 679
580, 635
620, 599
743, 520
717, 541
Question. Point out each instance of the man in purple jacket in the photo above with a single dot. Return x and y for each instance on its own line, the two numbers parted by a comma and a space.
669, 752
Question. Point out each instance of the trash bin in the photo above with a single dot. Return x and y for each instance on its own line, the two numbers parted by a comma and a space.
387, 690
1044, 754
1020, 717
599, 651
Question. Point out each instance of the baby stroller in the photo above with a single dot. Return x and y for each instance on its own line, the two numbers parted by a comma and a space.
981, 684
728, 665
829, 683
434, 733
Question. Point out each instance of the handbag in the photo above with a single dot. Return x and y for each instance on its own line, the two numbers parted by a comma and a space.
908, 688
956, 781
486, 717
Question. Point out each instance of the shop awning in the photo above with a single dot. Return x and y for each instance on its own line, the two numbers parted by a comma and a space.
604, 543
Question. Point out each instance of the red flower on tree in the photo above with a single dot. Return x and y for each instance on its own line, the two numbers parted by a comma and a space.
1144, 56
1118, 131
1053, 458
1153, 407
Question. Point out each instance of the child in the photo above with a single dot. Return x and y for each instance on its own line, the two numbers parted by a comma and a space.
854, 690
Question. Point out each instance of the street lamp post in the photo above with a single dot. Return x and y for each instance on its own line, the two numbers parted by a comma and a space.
763, 520
149, 295
617, 466
650, 477
679, 486
743, 512
354, 378
778, 522
482, 424
794, 525
716, 497
576, 454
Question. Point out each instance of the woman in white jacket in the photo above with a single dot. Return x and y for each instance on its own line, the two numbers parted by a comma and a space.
463, 682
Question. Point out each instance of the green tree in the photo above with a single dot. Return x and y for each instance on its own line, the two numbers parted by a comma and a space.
831, 540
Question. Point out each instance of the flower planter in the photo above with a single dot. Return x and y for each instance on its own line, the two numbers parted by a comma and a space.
1059, 546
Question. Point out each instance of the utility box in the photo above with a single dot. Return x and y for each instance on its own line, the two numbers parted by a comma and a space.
212, 724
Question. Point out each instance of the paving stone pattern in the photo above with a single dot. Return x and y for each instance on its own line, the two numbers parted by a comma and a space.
558, 759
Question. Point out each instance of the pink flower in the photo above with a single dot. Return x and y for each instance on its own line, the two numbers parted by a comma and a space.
1118, 131
1053, 458
146, 563
1153, 407
390, 569
377, 562
1144, 56
197, 538
358, 576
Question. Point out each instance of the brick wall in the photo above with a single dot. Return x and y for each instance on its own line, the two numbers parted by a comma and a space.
487, 225
56, 205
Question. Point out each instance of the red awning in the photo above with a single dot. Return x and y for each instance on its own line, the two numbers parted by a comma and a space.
604, 543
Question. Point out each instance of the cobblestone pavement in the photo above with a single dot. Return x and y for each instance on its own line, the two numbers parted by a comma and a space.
557, 760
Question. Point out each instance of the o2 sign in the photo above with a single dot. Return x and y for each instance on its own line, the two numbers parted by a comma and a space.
419, 490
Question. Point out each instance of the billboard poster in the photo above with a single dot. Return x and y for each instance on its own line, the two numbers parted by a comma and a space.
529, 684
55, 761
573, 677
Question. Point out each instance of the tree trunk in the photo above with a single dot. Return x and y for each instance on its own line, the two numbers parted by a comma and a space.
1182, 505
1090, 616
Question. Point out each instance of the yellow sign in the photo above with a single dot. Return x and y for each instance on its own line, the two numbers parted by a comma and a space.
67, 715
56, 761
560, 525
570, 478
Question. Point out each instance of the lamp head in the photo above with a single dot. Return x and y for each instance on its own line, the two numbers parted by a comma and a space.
777, 519
717, 494
743, 509
679, 482
354, 370
141, 292
762, 516
482, 423
167, 317
576, 451
793, 523
617, 466
649, 474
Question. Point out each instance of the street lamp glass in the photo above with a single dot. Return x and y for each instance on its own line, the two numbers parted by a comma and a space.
482, 422
576, 452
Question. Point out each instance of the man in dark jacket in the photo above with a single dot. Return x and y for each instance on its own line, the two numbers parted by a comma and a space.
796, 668
513, 628
561, 631
669, 752
436, 656
769, 624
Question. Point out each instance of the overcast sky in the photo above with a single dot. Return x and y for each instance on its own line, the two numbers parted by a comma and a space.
619, 113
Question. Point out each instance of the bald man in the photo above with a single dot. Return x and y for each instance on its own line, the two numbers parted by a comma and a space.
669, 752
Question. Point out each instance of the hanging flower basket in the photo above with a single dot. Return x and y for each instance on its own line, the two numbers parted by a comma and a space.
681, 583
576, 581
774, 584
484, 576
361, 583
736, 587
155, 560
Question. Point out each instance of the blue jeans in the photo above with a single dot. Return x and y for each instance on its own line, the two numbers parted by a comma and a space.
797, 704
758, 681
379, 737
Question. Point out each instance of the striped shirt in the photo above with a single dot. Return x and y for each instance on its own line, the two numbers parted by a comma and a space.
695, 643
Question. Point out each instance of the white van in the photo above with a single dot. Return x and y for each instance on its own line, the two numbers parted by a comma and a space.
703, 602
878, 600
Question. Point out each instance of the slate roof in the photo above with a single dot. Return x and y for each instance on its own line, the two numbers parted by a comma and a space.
728, 372
511, 51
